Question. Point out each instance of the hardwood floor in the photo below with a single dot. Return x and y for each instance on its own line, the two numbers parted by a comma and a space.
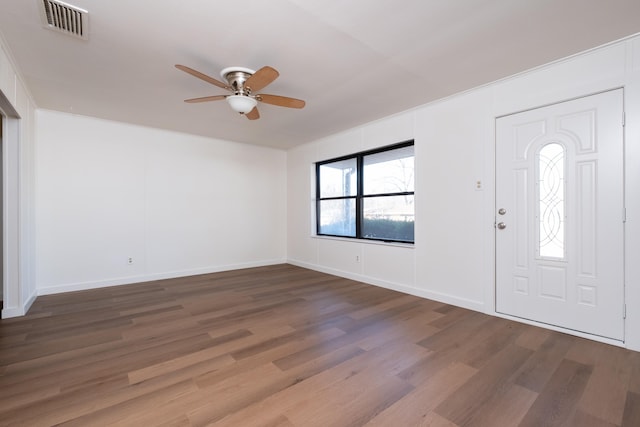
284, 346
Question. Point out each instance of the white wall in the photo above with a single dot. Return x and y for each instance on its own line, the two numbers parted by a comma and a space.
177, 204
18, 109
453, 259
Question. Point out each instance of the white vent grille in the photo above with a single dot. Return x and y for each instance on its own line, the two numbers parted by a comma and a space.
65, 18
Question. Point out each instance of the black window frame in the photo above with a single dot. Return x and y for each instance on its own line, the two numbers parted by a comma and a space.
360, 196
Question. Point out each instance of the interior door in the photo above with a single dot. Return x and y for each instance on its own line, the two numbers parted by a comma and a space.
560, 215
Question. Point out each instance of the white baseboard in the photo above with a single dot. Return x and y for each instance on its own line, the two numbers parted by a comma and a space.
30, 301
127, 280
411, 290
8, 312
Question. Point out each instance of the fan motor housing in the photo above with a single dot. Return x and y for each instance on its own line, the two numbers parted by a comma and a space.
237, 76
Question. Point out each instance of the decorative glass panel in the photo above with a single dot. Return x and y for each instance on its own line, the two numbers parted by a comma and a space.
551, 200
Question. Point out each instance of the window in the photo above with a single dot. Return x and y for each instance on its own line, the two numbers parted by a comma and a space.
368, 195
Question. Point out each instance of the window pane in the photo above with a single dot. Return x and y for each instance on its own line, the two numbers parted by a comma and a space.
338, 217
389, 171
388, 218
551, 201
338, 179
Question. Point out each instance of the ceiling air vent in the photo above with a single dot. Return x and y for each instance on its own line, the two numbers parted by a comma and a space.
63, 17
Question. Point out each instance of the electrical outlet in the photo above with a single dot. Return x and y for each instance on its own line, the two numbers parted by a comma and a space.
130, 260
357, 258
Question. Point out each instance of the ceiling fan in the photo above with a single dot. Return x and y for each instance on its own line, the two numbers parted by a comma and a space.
244, 83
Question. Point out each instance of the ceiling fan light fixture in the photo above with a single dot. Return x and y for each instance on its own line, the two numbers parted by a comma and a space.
241, 103
244, 83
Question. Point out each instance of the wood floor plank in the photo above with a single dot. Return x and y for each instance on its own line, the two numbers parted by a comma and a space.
32, 350
464, 404
533, 338
558, 400
613, 374
19, 398
266, 357
451, 344
315, 377
209, 359
282, 346
416, 407
130, 411
538, 369
309, 378
239, 391
580, 419
634, 381
414, 329
434, 420
506, 407
84, 361
631, 415
499, 335
90, 408
587, 352
346, 405
364, 328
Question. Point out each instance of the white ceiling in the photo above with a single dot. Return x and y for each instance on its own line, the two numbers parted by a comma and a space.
352, 61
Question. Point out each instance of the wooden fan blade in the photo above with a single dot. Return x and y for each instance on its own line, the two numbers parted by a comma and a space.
205, 99
261, 78
253, 114
201, 76
281, 101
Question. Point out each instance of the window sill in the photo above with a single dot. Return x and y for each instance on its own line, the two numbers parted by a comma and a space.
365, 241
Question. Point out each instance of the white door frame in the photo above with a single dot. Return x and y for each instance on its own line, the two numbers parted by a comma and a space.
13, 304
494, 165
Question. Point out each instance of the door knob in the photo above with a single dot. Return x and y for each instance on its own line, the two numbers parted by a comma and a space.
501, 225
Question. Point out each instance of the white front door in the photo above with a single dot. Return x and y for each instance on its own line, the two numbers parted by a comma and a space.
560, 215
